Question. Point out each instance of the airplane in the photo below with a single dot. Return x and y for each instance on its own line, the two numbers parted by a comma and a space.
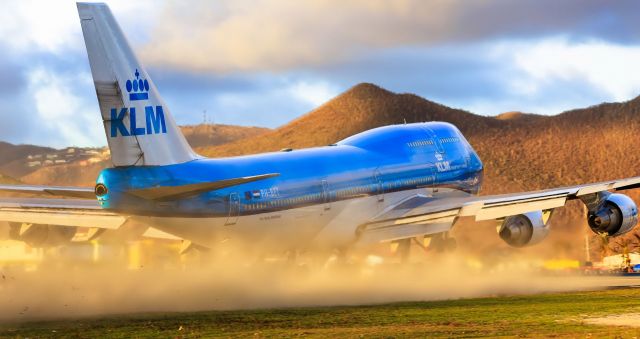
392, 183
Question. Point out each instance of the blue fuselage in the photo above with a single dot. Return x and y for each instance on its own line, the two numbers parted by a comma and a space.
379, 161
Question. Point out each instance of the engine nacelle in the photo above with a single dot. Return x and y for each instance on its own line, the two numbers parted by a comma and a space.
616, 214
40, 235
525, 229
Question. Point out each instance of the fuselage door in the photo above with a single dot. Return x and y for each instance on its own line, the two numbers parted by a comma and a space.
326, 195
234, 209
436, 141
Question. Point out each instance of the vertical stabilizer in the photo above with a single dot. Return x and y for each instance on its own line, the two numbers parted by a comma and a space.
140, 129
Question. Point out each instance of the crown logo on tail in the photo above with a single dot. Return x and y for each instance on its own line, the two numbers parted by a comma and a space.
138, 88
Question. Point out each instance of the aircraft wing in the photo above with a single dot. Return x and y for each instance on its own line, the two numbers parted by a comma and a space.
59, 212
83, 209
424, 215
72, 192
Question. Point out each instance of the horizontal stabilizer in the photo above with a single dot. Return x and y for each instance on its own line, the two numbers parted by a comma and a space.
164, 193
71, 192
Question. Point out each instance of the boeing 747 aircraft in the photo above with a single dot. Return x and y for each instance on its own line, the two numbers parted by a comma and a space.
387, 184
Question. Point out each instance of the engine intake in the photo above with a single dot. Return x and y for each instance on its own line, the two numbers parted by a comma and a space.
525, 229
615, 214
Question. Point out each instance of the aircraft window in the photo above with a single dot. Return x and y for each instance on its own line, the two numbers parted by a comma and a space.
420, 143
450, 140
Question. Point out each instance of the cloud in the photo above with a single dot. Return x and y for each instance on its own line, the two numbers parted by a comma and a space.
43, 25
28, 26
61, 113
257, 100
606, 67
315, 94
275, 35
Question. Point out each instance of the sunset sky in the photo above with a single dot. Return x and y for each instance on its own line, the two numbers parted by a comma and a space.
266, 62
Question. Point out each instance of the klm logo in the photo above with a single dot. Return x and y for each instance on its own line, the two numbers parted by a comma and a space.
155, 123
138, 89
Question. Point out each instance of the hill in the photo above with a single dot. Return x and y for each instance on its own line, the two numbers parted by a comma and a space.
363, 107
8, 180
515, 115
14, 158
10, 152
83, 173
206, 135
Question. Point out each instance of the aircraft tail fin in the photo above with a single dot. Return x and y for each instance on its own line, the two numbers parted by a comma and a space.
140, 129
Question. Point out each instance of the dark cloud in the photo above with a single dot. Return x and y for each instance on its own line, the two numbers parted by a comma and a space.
579, 19
15, 108
12, 77
274, 36
191, 83
20, 118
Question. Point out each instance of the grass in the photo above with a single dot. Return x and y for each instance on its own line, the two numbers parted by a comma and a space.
546, 315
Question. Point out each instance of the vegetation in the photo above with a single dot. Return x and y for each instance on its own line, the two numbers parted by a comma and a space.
212, 135
8, 180
548, 315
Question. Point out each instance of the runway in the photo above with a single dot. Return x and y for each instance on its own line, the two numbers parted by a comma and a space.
573, 314
66, 290
586, 282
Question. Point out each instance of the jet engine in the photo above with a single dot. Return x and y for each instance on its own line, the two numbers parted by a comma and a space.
614, 214
40, 235
525, 229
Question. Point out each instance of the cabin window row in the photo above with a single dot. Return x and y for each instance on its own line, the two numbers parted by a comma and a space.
281, 202
449, 140
353, 191
410, 182
252, 206
421, 143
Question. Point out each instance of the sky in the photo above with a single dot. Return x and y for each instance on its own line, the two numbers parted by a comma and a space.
266, 62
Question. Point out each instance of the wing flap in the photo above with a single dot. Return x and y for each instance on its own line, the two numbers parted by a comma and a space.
155, 233
369, 236
60, 212
62, 217
490, 211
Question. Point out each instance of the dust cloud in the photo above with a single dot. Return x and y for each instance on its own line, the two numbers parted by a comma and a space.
67, 289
